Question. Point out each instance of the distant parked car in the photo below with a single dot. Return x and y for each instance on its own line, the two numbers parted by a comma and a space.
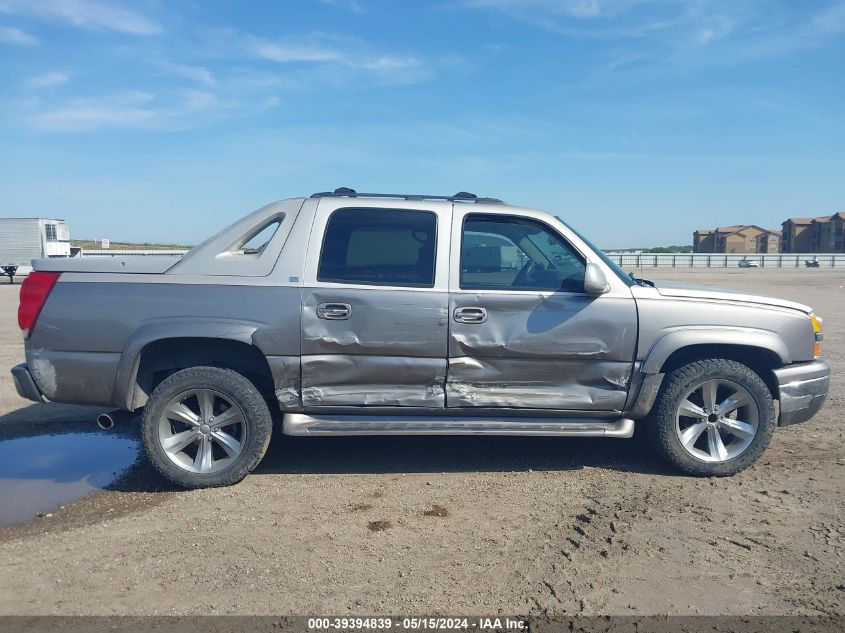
811, 263
367, 314
748, 263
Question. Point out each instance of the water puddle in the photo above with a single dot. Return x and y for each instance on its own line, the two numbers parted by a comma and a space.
39, 474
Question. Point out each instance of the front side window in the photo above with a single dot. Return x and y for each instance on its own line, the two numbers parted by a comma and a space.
514, 253
382, 247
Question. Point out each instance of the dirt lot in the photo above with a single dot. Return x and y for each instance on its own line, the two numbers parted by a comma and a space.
522, 525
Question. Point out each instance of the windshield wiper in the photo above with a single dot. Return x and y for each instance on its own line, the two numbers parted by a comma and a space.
641, 282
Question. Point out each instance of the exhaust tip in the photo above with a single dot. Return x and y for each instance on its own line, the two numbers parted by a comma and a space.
105, 421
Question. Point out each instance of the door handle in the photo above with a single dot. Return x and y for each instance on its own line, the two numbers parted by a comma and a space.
334, 311
470, 315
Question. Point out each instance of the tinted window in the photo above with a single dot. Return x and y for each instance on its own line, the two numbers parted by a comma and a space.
512, 253
379, 247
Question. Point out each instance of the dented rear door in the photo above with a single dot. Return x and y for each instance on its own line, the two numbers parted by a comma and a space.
523, 334
374, 305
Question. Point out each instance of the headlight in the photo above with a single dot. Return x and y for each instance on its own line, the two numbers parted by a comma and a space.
817, 330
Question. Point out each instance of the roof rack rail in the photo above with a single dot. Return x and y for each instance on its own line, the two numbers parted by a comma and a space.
461, 196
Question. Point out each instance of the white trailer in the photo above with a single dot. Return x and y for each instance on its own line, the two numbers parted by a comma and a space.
25, 239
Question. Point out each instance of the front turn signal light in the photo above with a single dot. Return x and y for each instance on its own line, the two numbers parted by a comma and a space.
817, 330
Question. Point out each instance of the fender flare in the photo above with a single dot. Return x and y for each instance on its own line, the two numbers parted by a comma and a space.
127, 369
675, 340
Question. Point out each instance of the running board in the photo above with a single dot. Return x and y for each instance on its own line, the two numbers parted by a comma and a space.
304, 424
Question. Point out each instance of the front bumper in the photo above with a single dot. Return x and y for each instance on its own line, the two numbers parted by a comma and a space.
803, 389
25, 384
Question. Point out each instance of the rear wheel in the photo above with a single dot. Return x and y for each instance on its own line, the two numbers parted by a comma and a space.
205, 427
712, 418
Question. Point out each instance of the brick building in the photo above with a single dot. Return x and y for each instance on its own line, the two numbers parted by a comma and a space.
797, 236
740, 238
825, 234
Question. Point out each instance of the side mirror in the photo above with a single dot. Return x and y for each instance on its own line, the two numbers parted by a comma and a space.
595, 283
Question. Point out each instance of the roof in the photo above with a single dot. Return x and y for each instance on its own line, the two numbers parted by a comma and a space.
703, 231
46, 219
828, 218
731, 230
800, 220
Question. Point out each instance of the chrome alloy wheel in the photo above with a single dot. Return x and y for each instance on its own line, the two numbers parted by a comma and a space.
202, 431
717, 420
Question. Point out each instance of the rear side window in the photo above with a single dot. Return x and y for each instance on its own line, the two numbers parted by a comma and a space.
381, 247
257, 242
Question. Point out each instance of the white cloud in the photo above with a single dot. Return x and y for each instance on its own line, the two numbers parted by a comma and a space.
679, 33
583, 9
131, 109
830, 21
285, 53
92, 14
199, 74
168, 111
349, 5
346, 55
11, 35
197, 100
48, 80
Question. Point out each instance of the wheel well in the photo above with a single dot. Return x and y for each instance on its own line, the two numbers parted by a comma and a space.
759, 359
161, 358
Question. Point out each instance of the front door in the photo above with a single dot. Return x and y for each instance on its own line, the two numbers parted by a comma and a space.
523, 333
374, 305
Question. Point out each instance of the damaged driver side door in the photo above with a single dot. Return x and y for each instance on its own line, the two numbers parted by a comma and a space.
523, 332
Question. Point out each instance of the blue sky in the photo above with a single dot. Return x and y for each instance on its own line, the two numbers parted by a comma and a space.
636, 120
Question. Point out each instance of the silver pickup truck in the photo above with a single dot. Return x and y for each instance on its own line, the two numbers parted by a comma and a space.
368, 314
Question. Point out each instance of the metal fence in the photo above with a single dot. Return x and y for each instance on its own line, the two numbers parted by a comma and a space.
721, 260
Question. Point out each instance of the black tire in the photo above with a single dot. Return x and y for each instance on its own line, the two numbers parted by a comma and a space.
234, 387
677, 384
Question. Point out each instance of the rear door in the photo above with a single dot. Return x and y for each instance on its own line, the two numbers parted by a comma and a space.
523, 333
374, 306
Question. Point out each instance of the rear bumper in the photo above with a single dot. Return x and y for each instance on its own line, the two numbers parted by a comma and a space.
803, 389
25, 384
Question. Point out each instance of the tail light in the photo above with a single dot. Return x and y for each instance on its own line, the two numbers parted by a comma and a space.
34, 292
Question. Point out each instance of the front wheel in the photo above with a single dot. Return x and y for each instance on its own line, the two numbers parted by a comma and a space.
712, 418
205, 427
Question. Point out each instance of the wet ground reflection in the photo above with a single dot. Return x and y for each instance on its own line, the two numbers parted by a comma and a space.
38, 474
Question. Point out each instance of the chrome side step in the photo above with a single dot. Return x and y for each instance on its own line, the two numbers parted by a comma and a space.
305, 424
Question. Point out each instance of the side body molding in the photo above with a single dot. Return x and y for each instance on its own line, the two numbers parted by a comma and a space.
674, 340
127, 369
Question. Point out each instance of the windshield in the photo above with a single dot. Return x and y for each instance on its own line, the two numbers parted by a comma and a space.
611, 264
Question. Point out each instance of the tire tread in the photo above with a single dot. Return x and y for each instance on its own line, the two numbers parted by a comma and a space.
234, 386
661, 422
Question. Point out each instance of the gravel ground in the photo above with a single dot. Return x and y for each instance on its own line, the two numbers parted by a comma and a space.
451, 525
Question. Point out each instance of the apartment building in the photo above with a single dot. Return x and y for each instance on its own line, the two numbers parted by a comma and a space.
740, 238
824, 234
